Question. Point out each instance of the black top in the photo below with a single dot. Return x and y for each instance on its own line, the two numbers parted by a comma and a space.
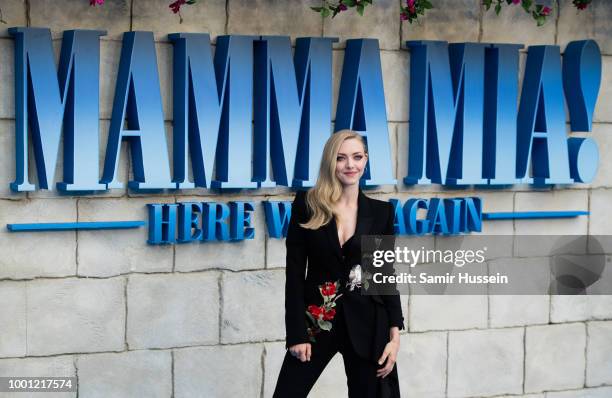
368, 317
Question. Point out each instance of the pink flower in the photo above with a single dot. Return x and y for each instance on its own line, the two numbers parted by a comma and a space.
404, 16
176, 6
94, 3
342, 7
546, 10
412, 10
410, 3
515, 2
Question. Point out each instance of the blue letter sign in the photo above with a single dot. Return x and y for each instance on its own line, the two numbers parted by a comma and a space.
42, 104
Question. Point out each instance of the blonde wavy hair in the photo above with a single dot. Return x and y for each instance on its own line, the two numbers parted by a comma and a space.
326, 192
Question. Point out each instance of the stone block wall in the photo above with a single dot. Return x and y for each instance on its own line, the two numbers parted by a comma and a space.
129, 319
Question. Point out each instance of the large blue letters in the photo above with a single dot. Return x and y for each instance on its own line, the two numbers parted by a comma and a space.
138, 99
43, 105
361, 107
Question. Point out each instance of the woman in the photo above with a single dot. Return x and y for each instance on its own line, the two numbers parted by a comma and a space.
325, 311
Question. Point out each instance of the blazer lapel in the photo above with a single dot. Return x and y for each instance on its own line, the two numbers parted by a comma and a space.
364, 223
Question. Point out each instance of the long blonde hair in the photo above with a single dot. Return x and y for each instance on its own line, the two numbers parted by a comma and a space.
321, 198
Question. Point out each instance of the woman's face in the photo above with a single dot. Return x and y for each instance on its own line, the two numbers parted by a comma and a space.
350, 162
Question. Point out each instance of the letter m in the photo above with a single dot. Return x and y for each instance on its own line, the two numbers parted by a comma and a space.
47, 99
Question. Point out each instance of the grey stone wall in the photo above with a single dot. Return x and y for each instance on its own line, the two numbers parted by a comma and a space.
132, 320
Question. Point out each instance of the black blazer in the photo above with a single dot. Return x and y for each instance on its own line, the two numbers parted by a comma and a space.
368, 317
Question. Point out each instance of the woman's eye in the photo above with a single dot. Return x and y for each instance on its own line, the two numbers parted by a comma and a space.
339, 158
358, 157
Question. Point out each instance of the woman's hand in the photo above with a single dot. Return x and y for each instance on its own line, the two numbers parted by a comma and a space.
389, 353
301, 351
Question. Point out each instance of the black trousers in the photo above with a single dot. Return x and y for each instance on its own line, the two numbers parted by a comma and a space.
296, 378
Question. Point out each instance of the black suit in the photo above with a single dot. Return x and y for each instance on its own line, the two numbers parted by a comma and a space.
366, 318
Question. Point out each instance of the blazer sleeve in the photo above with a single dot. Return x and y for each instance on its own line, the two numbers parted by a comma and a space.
295, 271
392, 301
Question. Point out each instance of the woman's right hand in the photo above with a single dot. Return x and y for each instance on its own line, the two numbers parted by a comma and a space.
301, 351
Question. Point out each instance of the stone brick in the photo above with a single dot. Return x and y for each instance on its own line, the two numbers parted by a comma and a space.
523, 27
332, 382
485, 362
580, 308
603, 108
599, 208
379, 21
421, 364
7, 78
437, 312
549, 201
493, 202
233, 255
602, 136
518, 310
208, 17
75, 315
276, 252
531, 275
13, 319
274, 356
266, 17
7, 160
592, 23
599, 353
113, 16
261, 317
602, 392
35, 254
450, 20
214, 370
128, 374
574, 24
57, 366
396, 71
158, 316
125, 250
554, 357
13, 14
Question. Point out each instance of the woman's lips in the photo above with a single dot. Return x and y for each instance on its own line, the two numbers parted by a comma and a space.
351, 174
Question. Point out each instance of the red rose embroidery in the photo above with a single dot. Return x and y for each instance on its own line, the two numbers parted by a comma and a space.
329, 315
321, 316
328, 289
316, 312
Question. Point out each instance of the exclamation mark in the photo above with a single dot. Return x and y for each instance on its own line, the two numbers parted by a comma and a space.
581, 81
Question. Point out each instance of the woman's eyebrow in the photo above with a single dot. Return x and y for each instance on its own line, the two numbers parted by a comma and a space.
354, 153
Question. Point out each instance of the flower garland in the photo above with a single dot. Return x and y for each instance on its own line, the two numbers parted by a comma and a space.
410, 12
539, 12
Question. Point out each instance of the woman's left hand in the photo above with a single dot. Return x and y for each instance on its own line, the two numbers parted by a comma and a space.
389, 354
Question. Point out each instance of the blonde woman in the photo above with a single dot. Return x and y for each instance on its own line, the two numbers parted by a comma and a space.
325, 312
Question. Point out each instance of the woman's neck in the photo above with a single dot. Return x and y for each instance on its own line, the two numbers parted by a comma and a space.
349, 195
